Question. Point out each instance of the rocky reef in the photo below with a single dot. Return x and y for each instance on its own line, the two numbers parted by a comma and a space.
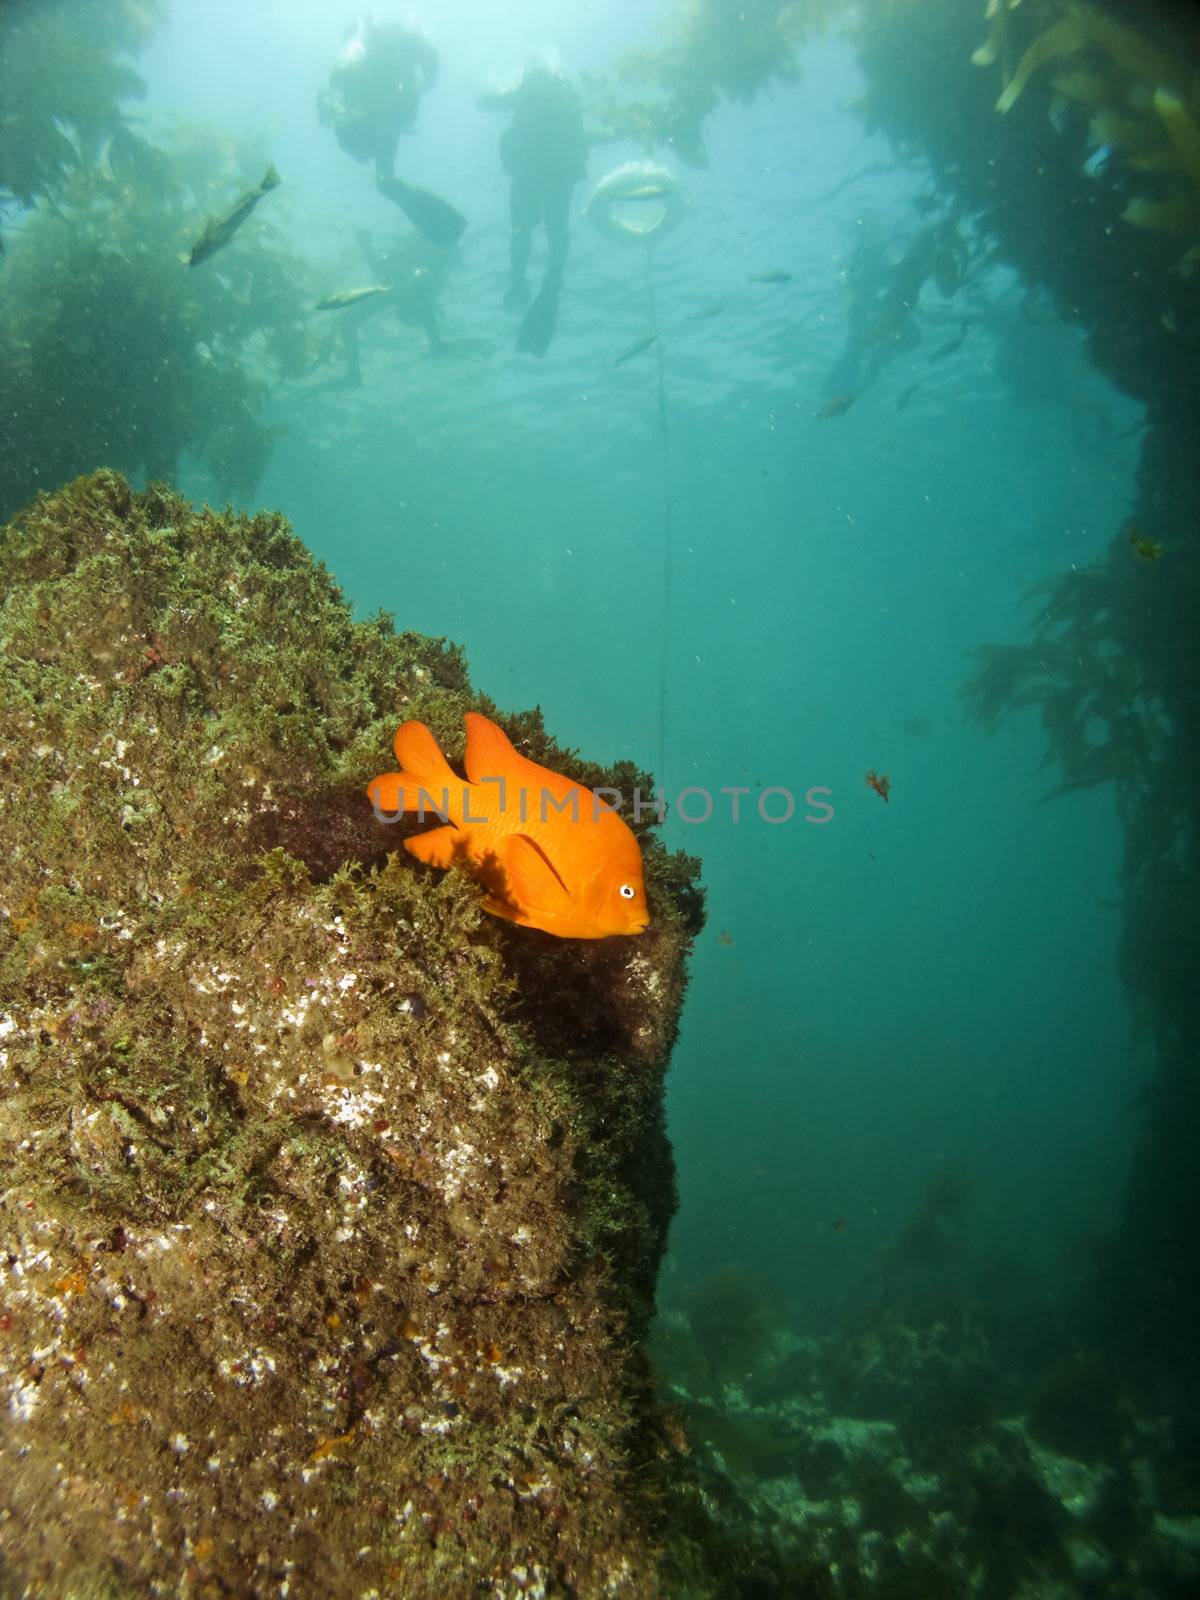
904, 1454
332, 1207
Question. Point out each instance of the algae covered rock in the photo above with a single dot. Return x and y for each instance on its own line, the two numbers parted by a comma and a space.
332, 1206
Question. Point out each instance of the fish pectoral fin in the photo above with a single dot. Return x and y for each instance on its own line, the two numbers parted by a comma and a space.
530, 878
440, 847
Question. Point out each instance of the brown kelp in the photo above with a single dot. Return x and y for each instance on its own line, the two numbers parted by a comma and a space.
1110, 663
1140, 96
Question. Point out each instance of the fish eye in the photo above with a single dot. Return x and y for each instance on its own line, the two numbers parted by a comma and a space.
627, 892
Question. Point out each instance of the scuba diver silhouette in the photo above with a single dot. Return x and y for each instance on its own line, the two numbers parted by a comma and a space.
374, 93
544, 151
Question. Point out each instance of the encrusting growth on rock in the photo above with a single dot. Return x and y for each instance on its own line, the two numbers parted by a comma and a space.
332, 1206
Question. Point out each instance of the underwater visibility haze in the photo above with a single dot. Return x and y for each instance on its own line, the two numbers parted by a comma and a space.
777, 417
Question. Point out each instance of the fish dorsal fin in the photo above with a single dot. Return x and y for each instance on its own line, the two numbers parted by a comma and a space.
490, 752
531, 881
420, 757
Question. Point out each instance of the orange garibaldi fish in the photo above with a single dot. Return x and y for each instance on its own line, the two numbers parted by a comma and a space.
550, 854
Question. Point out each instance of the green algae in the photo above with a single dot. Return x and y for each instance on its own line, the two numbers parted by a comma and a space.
333, 1207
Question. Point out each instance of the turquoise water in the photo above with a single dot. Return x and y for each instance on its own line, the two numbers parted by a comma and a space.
928, 981
685, 563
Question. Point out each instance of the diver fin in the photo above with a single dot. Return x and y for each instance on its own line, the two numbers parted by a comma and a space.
440, 847
530, 877
536, 332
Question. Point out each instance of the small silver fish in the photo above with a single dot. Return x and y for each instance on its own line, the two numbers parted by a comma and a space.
341, 298
951, 345
907, 396
636, 349
219, 231
778, 276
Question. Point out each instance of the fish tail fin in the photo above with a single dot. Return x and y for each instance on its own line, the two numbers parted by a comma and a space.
425, 783
271, 181
386, 793
420, 756
394, 792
